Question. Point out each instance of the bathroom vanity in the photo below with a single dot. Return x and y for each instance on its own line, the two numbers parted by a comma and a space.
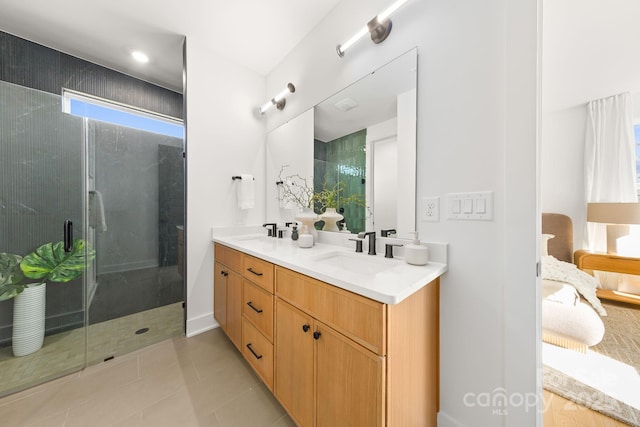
336, 345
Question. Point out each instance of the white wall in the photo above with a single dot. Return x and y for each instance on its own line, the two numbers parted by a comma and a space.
586, 45
290, 144
406, 207
225, 137
477, 90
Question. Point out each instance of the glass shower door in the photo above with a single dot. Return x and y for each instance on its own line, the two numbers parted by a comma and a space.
41, 187
135, 183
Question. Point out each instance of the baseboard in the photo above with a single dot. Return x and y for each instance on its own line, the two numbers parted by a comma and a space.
445, 420
201, 324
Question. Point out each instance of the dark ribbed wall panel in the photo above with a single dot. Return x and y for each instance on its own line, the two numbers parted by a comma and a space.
32, 65
40, 186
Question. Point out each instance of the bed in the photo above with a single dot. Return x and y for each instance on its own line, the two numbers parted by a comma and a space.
569, 302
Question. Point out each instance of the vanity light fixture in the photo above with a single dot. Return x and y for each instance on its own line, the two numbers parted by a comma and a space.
279, 100
379, 28
140, 56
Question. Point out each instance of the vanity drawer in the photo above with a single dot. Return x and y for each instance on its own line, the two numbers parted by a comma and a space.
257, 307
229, 257
258, 271
258, 351
357, 317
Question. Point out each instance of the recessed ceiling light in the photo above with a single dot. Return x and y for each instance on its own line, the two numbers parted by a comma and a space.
140, 56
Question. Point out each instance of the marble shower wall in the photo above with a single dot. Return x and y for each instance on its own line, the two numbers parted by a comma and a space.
130, 168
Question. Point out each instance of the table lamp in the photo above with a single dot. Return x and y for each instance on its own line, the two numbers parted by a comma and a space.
623, 238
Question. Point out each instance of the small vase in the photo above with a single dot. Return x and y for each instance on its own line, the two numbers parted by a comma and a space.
28, 319
330, 217
308, 218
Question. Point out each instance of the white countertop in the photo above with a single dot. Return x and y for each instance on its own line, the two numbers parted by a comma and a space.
385, 280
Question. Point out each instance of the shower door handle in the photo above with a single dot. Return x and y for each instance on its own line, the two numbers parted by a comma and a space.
68, 235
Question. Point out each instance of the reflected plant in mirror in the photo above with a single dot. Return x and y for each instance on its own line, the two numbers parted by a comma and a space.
294, 191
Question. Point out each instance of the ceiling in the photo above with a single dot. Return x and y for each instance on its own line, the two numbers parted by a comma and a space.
256, 34
373, 98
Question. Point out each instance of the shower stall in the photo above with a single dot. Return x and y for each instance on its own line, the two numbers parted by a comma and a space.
122, 188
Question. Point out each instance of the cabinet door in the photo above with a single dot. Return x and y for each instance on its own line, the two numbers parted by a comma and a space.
350, 382
234, 308
220, 273
294, 363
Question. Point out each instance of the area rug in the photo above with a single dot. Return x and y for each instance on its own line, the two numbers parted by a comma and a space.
607, 378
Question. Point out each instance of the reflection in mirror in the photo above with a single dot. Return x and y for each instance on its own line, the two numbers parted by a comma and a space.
358, 145
361, 136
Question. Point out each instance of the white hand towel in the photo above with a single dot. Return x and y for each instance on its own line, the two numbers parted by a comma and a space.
97, 218
246, 191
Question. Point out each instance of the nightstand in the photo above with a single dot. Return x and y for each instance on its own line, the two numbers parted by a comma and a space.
590, 261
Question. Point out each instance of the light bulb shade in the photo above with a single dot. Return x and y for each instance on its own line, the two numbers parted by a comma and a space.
614, 213
391, 10
379, 28
279, 100
342, 48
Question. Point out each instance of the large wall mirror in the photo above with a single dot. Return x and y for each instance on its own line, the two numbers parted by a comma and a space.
359, 143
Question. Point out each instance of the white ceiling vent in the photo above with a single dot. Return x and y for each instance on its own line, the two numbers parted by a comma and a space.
346, 104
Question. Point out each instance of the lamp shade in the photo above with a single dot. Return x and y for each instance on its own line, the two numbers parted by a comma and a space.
614, 213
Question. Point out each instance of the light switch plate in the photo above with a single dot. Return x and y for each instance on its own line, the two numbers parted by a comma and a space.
477, 206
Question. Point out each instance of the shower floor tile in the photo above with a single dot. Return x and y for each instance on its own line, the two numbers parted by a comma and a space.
124, 293
64, 352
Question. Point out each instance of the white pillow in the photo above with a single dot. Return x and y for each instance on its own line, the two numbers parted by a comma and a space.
544, 242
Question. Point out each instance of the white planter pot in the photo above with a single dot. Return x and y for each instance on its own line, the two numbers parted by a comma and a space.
308, 218
330, 218
28, 319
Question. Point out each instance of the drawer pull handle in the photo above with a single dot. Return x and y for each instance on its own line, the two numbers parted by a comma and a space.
316, 335
224, 273
250, 270
257, 310
258, 356
306, 328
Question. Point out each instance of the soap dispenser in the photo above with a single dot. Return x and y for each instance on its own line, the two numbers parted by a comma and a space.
415, 253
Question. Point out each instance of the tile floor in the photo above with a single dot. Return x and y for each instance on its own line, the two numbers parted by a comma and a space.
199, 381
65, 352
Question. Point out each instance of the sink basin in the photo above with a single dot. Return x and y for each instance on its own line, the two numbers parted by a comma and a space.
361, 264
248, 237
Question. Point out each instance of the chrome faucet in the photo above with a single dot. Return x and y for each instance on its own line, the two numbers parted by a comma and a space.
372, 240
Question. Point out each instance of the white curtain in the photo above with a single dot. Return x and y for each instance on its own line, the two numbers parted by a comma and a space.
610, 159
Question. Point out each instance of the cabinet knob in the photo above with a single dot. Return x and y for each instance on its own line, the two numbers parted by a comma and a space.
224, 273
316, 335
306, 328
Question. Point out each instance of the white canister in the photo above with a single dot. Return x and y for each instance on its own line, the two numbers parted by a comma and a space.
305, 241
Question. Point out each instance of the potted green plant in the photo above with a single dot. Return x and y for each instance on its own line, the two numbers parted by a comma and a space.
327, 201
48, 263
294, 190
10, 276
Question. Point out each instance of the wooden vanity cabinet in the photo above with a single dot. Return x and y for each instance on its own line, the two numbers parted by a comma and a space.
227, 292
343, 359
330, 356
243, 305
